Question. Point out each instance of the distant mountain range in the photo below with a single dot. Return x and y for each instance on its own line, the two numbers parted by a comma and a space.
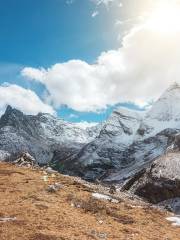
113, 151
41, 135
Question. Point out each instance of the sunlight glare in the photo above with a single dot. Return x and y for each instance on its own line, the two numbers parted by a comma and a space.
165, 17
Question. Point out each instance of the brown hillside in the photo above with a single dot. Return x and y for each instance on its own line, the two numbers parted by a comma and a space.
71, 213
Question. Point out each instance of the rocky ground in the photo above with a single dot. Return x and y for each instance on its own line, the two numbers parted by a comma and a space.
36, 206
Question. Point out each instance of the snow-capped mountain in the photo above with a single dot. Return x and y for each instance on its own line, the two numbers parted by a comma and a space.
164, 113
155, 133
41, 135
121, 126
105, 152
62, 131
129, 140
113, 151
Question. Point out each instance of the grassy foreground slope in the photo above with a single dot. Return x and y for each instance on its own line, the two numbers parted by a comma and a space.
71, 213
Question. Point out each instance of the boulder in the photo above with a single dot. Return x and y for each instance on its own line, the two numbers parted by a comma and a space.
26, 160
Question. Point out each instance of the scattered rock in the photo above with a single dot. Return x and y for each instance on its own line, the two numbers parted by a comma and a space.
54, 187
100, 222
26, 160
99, 235
112, 189
49, 170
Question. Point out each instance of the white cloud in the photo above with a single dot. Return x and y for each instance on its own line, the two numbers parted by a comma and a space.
22, 99
108, 2
72, 115
105, 2
36, 74
69, 2
139, 71
94, 14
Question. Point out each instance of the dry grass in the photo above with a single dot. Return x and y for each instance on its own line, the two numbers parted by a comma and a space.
71, 213
95, 206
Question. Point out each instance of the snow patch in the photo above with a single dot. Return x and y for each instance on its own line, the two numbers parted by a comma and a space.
175, 220
7, 219
104, 197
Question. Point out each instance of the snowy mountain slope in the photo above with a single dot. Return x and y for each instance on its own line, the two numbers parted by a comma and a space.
160, 181
164, 113
156, 180
105, 152
40, 135
119, 164
163, 117
155, 133
121, 126
63, 131
142, 153
129, 140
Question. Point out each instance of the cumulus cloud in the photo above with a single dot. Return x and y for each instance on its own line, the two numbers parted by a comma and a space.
22, 99
36, 74
138, 72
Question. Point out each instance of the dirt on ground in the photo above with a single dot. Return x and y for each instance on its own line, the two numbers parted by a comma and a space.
29, 210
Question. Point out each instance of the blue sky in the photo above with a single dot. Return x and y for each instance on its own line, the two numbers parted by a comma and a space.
38, 35
44, 32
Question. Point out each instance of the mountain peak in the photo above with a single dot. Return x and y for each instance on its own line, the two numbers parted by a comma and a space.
167, 107
173, 86
164, 113
8, 109
12, 111
11, 117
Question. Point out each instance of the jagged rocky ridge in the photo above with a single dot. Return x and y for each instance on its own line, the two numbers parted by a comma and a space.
129, 141
105, 153
42, 136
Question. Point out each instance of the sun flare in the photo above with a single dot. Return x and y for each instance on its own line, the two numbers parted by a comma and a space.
165, 17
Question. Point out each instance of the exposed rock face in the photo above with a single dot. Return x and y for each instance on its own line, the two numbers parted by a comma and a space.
126, 162
40, 135
129, 141
141, 153
172, 205
160, 181
106, 151
177, 141
25, 160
